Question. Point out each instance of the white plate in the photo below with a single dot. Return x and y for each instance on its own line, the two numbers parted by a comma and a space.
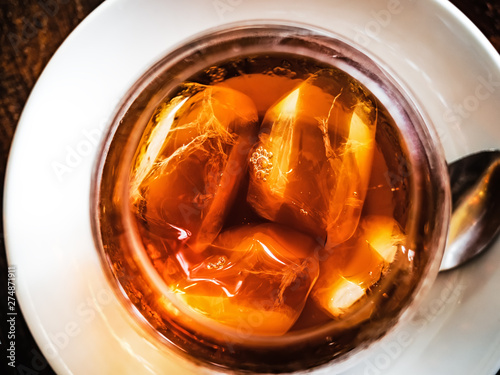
69, 307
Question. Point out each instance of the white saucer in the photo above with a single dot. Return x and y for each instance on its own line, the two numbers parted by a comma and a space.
81, 328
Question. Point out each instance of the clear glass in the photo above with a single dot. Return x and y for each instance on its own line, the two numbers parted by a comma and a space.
416, 163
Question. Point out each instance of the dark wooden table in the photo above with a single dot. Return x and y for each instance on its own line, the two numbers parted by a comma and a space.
31, 31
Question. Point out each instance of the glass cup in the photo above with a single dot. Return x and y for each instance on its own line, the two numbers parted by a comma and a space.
416, 171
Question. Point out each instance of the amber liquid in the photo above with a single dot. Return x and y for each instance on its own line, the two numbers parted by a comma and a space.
271, 196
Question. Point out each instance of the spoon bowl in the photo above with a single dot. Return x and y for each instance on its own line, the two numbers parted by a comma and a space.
475, 220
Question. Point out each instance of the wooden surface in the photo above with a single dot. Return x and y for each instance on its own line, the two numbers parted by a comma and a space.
31, 31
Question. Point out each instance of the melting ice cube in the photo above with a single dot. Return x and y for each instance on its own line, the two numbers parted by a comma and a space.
312, 165
192, 162
252, 85
357, 264
253, 278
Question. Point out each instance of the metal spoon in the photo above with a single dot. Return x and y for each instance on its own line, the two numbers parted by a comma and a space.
475, 220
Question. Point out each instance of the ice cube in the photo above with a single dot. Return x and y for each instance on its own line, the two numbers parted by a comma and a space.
346, 203
256, 278
357, 264
379, 198
252, 84
384, 235
193, 159
312, 165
